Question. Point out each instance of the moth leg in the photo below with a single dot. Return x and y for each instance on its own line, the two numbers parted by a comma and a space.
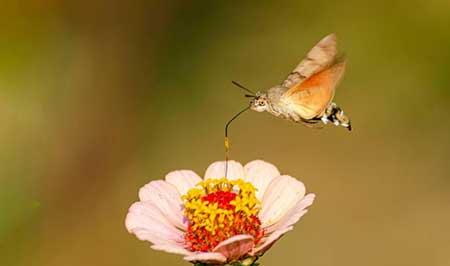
312, 123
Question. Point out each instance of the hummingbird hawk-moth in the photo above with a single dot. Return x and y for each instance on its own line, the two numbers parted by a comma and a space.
306, 95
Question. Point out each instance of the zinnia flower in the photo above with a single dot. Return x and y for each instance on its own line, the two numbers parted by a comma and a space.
219, 220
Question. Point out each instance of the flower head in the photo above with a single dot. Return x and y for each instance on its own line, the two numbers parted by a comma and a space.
217, 209
219, 220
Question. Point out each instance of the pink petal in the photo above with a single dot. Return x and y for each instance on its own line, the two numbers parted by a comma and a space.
146, 221
166, 197
183, 180
172, 249
280, 197
207, 257
235, 247
260, 174
294, 214
217, 170
269, 241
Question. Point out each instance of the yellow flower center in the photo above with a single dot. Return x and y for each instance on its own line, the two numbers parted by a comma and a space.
218, 209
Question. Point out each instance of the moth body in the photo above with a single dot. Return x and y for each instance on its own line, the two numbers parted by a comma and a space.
270, 102
306, 95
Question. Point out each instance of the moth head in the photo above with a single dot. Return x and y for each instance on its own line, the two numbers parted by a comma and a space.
260, 102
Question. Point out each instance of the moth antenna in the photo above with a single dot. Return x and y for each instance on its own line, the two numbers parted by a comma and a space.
242, 87
227, 143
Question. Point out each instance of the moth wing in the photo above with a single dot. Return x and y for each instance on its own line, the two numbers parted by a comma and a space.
310, 98
318, 58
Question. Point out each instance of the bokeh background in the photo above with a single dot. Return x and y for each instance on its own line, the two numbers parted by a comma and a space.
98, 98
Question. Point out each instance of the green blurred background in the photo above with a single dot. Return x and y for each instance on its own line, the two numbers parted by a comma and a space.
99, 97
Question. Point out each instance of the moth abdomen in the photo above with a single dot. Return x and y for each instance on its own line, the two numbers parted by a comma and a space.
335, 115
